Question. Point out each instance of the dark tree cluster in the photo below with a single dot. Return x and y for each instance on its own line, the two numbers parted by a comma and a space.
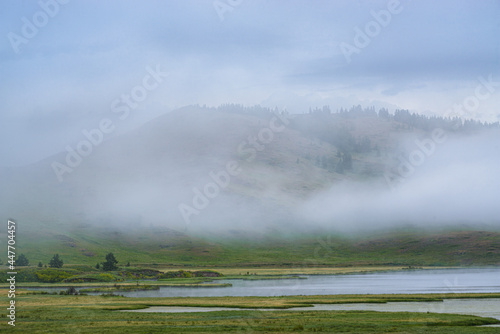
345, 162
56, 262
353, 112
22, 260
405, 117
320, 111
357, 111
416, 121
110, 263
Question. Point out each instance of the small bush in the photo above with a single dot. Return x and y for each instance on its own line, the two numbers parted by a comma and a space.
52, 275
107, 277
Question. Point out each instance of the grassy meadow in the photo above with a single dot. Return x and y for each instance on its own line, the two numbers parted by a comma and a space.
160, 252
38, 313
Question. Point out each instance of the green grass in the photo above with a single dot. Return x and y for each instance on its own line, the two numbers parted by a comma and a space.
153, 247
73, 275
97, 314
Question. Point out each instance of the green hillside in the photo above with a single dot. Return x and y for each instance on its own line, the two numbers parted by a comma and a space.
170, 248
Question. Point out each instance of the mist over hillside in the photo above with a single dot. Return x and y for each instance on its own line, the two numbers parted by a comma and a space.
231, 168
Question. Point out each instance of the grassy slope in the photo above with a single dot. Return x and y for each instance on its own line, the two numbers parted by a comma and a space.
167, 247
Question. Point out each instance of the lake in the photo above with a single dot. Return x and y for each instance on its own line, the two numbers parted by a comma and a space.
409, 281
481, 280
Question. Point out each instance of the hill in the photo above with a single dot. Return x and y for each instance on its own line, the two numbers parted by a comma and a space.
169, 248
199, 173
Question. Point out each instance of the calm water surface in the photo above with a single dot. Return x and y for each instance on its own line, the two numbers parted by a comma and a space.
411, 281
481, 307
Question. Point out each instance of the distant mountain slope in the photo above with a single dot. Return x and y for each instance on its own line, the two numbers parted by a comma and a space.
214, 169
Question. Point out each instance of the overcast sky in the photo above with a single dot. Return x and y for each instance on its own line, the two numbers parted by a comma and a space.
63, 67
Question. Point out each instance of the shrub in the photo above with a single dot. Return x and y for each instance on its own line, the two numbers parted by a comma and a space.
107, 277
52, 275
23, 275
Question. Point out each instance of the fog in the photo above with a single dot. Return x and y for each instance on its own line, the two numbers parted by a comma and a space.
103, 126
197, 171
456, 186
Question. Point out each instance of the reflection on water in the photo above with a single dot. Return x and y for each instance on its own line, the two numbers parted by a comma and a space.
419, 281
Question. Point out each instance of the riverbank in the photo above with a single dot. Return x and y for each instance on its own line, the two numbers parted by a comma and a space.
277, 271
